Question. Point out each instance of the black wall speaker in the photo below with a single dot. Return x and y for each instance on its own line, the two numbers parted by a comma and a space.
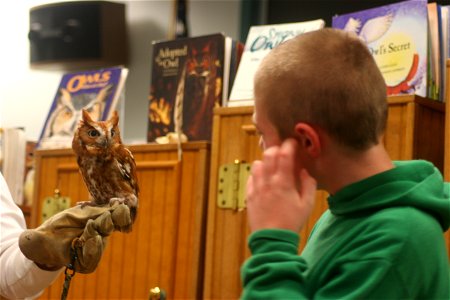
75, 35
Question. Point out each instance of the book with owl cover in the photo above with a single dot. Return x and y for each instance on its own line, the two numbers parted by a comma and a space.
261, 39
189, 77
397, 36
97, 91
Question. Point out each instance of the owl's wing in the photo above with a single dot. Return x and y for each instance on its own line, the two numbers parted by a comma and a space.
127, 167
376, 27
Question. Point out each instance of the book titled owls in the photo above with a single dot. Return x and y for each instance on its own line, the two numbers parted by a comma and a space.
396, 35
96, 91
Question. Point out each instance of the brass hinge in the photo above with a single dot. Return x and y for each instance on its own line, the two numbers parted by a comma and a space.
53, 205
232, 182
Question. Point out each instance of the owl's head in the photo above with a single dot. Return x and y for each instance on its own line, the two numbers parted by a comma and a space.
96, 137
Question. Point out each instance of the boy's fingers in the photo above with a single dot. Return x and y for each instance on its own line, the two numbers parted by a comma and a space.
286, 161
256, 174
270, 157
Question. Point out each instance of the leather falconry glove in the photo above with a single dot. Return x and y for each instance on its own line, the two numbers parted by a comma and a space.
82, 231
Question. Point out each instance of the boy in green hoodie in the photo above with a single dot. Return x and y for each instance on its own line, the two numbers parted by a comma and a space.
320, 107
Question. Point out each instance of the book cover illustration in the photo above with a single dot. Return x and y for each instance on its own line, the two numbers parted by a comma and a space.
186, 84
97, 91
396, 35
261, 40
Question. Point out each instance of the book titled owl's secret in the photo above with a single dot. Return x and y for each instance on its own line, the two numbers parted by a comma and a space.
396, 35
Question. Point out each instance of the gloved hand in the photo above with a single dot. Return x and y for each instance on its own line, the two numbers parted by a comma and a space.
85, 229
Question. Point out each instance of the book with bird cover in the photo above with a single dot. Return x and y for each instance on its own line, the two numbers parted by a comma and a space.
397, 36
261, 39
97, 91
190, 76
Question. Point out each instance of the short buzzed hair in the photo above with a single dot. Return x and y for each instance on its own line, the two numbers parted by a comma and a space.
326, 78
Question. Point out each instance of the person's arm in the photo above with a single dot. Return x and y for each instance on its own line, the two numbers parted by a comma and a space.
276, 271
19, 277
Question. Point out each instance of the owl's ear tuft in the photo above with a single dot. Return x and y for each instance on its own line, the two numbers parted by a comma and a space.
115, 118
86, 117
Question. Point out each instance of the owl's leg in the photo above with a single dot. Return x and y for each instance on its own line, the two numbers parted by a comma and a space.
115, 200
86, 203
130, 200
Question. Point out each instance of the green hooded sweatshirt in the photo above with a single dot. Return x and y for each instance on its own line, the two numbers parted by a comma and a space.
382, 238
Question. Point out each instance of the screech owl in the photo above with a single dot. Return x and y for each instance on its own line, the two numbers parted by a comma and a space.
107, 167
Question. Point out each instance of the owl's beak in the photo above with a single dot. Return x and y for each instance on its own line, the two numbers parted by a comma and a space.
105, 143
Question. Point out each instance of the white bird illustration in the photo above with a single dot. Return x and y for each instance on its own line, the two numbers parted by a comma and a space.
372, 30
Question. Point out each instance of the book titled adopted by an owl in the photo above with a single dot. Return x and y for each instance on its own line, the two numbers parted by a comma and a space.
97, 91
396, 35
189, 77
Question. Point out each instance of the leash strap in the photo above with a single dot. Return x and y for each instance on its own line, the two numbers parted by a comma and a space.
69, 273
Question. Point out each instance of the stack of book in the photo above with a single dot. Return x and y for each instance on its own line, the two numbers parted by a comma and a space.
409, 41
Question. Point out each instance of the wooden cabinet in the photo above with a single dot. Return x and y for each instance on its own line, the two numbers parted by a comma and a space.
415, 129
410, 122
166, 246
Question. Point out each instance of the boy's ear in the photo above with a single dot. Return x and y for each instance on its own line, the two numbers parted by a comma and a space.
308, 138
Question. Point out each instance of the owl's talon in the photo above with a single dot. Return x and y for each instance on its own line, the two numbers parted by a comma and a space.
85, 203
113, 201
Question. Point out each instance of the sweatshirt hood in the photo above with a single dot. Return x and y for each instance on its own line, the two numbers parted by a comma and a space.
415, 184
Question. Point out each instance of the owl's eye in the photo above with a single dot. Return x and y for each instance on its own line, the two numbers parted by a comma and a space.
113, 132
93, 133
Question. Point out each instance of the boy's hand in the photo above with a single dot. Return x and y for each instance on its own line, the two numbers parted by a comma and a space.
276, 196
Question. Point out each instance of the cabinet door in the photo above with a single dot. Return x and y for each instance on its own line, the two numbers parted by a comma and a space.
234, 137
166, 245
